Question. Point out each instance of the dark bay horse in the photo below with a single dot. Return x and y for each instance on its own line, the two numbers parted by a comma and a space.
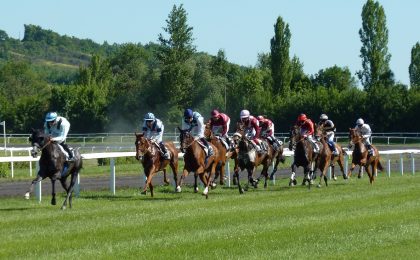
278, 155
321, 135
249, 159
153, 161
195, 161
223, 155
303, 156
53, 165
360, 156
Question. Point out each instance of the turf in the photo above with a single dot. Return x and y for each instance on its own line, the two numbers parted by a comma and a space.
347, 220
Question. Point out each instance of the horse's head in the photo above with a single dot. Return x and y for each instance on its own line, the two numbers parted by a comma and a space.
319, 131
207, 131
142, 145
38, 141
354, 136
294, 136
185, 139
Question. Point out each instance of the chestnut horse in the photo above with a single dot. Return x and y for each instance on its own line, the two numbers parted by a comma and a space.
53, 165
153, 161
195, 161
222, 155
303, 156
249, 159
360, 156
321, 135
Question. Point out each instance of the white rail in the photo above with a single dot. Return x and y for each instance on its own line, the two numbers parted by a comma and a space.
113, 155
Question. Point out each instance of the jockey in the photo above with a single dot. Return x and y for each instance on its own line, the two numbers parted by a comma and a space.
267, 131
329, 130
219, 124
153, 129
307, 130
194, 123
365, 131
58, 127
252, 128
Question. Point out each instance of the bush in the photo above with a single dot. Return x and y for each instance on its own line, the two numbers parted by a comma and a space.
4, 170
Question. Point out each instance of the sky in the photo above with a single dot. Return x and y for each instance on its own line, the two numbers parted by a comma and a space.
324, 32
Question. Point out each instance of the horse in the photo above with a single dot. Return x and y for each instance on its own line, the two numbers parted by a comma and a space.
249, 159
361, 157
153, 161
320, 135
195, 161
278, 154
53, 165
303, 156
222, 155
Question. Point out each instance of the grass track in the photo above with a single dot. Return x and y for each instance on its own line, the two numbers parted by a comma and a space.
347, 220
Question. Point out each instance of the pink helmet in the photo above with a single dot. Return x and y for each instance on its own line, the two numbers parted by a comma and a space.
215, 113
260, 118
302, 117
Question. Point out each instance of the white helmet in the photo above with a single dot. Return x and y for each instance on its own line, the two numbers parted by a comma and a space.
244, 113
360, 121
323, 117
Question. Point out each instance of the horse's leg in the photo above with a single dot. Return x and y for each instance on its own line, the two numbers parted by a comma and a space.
212, 171
353, 165
265, 173
69, 195
236, 176
293, 181
165, 178
174, 167
222, 173
181, 180
369, 174
149, 174
275, 167
340, 162
37, 179
53, 200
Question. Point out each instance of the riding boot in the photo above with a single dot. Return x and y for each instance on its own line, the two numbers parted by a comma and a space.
209, 148
67, 149
165, 152
370, 149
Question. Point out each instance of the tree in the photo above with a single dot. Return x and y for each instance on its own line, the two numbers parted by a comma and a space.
374, 51
174, 54
280, 61
334, 77
300, 81
414, 69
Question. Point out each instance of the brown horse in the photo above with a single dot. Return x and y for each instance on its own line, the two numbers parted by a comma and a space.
360, 156
195, 161
153, 161
222, 155
278, 155
321, 135
249, 159
303, 156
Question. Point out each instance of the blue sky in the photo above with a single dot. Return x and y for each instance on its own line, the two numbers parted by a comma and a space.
324, 32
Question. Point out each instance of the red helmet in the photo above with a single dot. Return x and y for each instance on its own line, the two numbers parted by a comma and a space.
301, 117
260, 118
215, 113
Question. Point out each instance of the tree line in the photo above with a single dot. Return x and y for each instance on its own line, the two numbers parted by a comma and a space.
102, 87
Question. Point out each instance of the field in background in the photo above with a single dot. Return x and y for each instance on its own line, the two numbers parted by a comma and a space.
348, 220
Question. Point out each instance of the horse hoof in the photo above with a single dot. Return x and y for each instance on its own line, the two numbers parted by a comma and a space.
335, 178
143, 193
53, 202
241, 191
27, 195
63, 207
178, 189
195, 190
319, 185
213, 185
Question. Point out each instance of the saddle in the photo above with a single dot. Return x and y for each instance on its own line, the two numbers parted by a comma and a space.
206, 151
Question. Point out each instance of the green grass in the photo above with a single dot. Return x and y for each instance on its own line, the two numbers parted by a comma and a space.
347, 220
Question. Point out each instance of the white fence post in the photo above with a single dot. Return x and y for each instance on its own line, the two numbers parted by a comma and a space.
388, 165
38, 187
402, 165
112, 181
30, 165
413, 167
11, 164
77, 186
227, 171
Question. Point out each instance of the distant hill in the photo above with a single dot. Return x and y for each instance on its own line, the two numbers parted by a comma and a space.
51, 53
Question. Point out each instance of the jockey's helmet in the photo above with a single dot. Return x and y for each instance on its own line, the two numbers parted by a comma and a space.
244, 114
301, 118
188, 113
149, 117
260, 118
215, 113
51, 116
323, 117
360, 122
